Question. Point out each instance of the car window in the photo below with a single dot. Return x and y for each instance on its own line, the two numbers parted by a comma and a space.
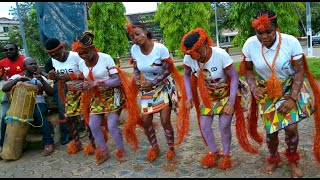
318, 33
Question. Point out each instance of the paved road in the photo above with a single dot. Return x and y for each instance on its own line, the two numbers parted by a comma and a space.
60, 164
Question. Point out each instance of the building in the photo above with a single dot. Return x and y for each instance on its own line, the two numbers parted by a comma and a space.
228, 35
5, 24
147, 19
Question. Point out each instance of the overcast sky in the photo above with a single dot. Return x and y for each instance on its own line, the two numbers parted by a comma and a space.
131, 7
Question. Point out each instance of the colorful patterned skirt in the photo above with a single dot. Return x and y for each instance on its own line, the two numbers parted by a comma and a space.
73, 98
220, 97
274, 121
161, 96
106, 100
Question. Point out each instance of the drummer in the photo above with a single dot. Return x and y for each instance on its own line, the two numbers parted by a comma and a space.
40, 111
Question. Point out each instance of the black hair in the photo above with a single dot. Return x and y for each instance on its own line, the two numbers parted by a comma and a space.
270, 14
149, 33
15, 45
190, 40
86, 38
52, 43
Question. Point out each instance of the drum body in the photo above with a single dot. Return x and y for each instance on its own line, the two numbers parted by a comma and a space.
19, 114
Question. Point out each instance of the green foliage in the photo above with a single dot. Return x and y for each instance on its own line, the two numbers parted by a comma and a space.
177, 18
223, 18
243, 12
315, 17
2, 53
30, 25
108, 25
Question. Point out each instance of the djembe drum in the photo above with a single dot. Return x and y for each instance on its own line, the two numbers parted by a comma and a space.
20, 113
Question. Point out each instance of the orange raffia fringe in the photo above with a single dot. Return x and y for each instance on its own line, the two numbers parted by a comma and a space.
204, 94
99, 153
253, 121
170, 155
75, 46
105, 134
130, 27
72, 147
242, 68
182, 120
241, 130
316, 93
208, 160
88, 149
153, 153
131, 105
226, 163
61, 86
203, 36
262, 22
274, 159
196, 102
73, 76
292, 157
274, 87
120, 153
85, 105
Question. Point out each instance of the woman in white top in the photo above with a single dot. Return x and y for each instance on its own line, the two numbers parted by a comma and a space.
105, 91
216, 80
279, 93
153, 68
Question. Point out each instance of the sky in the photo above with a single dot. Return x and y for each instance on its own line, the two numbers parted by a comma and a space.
131, 7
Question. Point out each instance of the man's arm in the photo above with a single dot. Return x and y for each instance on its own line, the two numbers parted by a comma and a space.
9, 84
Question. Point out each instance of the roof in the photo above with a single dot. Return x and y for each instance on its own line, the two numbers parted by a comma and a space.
146, 12
228, 32
4, 20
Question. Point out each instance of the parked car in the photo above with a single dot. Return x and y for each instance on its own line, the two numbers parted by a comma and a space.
316, 38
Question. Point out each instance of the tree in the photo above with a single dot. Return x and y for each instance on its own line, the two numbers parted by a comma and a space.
315, 17
108, 26
243, 12
30, 24
177, 18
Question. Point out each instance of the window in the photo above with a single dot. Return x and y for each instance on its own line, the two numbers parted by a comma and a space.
5, 29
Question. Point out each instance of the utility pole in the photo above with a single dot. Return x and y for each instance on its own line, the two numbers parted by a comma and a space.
25, 47
309, 30
216, 19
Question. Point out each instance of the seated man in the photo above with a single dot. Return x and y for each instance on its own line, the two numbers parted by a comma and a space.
32, 77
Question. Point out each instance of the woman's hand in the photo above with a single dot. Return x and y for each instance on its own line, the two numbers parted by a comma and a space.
87, 85
52, 75
228, 109
147, 86
189, 103
259, 92
65, 78
286, 106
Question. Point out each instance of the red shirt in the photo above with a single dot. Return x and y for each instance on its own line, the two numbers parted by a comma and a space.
9, 68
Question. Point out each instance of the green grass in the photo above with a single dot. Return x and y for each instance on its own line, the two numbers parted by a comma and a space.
313, 63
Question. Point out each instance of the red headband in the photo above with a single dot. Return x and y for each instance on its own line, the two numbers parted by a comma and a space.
203, 36
262, 22
130, 27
